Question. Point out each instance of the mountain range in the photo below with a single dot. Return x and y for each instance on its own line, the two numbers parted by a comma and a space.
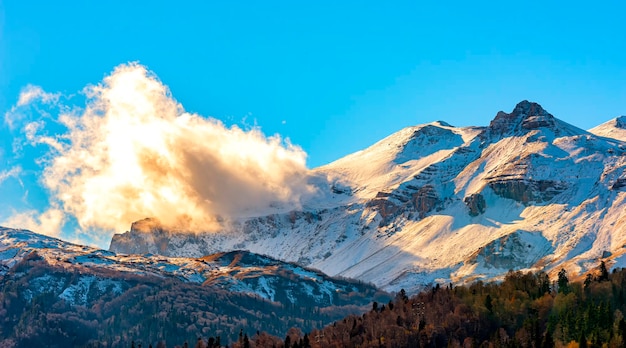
60, 294
436, 203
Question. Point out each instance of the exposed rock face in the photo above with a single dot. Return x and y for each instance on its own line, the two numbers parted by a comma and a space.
476, 204
620, 122
526, 116
143, 233
425, 200
385, 208
619, 184
517, 250
390, 205
526, 191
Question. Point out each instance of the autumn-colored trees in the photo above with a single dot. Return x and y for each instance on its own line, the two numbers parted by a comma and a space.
521, 311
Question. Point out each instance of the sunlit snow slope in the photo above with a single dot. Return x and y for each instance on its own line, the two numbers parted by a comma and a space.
436, 203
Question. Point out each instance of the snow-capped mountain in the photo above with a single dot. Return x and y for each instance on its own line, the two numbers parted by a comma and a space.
437, 203
615, 128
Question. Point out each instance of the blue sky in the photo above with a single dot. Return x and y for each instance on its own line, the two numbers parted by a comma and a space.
333, 77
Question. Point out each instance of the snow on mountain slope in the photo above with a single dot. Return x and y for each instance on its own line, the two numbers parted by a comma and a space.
390, 161
238, 271
615, 128
432, 203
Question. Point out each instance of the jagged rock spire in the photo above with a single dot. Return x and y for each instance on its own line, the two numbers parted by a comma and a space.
524, 117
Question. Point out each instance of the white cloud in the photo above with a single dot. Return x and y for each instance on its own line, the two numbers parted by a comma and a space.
29, 95
48, 222
10, 173
133, 152
32, 132
32, 93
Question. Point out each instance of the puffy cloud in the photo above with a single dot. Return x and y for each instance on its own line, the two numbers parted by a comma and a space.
133, 152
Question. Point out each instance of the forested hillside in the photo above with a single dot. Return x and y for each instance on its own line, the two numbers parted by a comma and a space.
76, 305
524, 310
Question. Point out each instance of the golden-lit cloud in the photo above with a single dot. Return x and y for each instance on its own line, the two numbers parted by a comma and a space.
133, 152
28, 95
49, 222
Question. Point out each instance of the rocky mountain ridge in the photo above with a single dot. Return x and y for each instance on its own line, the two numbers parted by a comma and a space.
74, 295
437, 203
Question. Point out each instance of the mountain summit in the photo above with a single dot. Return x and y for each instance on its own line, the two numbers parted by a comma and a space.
437, 203
526, 116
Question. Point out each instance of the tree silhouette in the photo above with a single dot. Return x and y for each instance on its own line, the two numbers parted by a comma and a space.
604, 273
563, 282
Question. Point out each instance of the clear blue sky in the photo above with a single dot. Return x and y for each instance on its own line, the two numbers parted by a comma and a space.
333, 76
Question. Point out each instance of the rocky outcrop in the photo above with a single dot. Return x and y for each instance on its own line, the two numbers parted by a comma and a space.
421, 199
425, 200
526, 116
525, 191
145, 236
518, 250
387, 209
476, 204
619, 184
620, 122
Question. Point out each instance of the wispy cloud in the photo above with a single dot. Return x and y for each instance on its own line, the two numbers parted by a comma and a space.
29, 95
10, 173
32, 93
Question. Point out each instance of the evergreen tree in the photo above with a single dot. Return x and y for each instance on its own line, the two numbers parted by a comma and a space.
604, 273
488, 303
563, 282
582, 342
403, 295
547, 342
588, 280
287, 341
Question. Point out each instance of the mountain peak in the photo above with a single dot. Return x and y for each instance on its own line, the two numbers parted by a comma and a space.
524, 117
528, 108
